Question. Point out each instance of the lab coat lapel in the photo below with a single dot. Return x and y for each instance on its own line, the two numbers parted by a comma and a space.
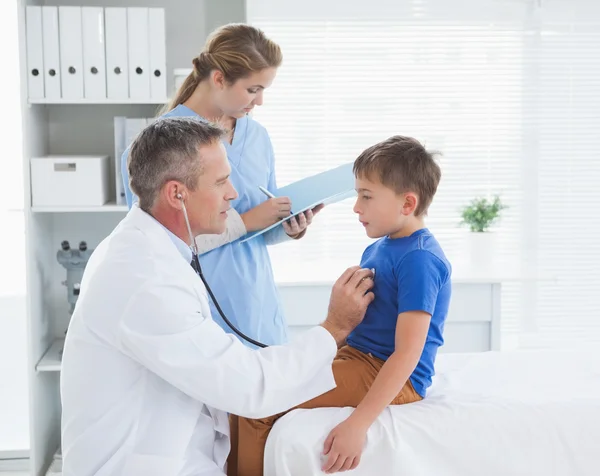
153, 230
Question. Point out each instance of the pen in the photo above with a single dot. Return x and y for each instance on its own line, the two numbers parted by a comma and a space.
269, 194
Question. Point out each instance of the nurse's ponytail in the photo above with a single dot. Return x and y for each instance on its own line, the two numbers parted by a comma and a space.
237, 50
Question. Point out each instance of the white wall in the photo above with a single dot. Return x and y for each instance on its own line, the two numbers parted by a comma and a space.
14, 419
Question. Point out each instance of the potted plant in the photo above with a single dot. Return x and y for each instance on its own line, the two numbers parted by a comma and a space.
479, 216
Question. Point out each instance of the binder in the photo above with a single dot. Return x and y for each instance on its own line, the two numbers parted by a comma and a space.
325, 188
71, 52
120, 146
94, 62
139, 52
125, 131
133, 126
52, 70
158, 56
117, 68
35, 53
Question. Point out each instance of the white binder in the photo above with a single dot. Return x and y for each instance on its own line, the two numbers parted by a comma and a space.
94, 62
139, 53
117, 69
158, 55
52, 83
133, 126
71, 52
120, 124
35, 53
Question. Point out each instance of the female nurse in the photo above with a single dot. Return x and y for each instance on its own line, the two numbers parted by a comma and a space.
228, 80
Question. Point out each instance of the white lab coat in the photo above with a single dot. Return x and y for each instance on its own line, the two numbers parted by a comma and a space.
147, 376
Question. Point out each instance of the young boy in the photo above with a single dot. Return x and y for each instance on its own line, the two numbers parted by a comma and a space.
389, 358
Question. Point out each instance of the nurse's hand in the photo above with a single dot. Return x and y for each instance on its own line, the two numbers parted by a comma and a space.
267, 213
296, 226
349, 300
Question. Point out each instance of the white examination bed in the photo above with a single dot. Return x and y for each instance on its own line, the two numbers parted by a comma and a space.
534, 413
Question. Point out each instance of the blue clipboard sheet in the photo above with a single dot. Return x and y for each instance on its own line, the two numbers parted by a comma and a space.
325, 188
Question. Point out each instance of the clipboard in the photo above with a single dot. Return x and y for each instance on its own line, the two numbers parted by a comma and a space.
325, 188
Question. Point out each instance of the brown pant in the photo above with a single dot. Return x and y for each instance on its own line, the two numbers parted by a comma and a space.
354, 373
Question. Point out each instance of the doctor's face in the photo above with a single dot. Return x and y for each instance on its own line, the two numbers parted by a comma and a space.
209, 203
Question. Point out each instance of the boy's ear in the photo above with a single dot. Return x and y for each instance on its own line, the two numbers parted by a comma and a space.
410, 203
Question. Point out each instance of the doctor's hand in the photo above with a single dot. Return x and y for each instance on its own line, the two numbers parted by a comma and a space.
296, 226
349, 300
267, 213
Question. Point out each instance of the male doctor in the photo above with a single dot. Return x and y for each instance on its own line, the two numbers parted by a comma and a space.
147, 376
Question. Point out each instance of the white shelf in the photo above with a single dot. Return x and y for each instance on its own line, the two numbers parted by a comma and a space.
109, 207
51, 361
99, 101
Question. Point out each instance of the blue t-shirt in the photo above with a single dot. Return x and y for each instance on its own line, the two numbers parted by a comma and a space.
411, 274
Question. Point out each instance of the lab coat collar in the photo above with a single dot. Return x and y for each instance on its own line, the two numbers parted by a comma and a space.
183, 248
165, 240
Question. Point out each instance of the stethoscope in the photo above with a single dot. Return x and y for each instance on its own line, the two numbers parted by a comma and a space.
198, 269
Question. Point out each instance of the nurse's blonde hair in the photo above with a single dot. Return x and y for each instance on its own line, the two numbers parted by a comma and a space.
237, 50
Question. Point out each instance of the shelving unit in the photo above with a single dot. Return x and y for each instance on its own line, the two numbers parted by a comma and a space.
98, 101
50, 362
106, 208
82, 127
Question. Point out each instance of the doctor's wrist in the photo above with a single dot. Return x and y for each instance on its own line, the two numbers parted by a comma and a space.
336, 332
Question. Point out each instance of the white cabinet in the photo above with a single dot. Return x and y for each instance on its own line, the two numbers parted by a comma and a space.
473, 323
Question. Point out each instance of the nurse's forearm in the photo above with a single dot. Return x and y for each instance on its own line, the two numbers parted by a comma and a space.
276, 235
235, 229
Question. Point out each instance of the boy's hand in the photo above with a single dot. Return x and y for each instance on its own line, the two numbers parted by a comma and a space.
344, 445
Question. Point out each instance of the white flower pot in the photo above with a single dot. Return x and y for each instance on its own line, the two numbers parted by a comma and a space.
481, 249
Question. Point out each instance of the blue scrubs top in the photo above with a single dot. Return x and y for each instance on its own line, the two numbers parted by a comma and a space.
240, 274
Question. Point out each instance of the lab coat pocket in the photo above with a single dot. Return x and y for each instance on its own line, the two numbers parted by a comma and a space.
152, 465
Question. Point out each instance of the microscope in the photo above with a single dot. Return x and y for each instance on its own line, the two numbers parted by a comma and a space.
74, 262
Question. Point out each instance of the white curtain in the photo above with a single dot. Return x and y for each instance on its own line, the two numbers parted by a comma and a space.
507, 90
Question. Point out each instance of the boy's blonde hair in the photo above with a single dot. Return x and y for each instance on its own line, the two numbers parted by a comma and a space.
403, 165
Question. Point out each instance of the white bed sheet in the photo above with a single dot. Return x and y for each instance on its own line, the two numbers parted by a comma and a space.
524, 413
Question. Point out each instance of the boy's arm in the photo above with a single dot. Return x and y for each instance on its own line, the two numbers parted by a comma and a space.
343, 446
411, 333
420, 276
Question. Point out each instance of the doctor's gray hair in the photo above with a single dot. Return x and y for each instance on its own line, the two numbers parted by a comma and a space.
167, 150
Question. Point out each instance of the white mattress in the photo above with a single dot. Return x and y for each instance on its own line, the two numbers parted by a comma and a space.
487, 414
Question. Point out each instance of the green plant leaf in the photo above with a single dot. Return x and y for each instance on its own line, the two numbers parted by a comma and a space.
480, 214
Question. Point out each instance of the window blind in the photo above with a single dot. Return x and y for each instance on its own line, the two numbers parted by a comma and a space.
506, 90
564, 96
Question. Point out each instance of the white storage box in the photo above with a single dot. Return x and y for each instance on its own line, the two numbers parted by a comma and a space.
70, 181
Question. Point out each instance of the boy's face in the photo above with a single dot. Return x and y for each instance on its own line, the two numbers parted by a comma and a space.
380, 210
